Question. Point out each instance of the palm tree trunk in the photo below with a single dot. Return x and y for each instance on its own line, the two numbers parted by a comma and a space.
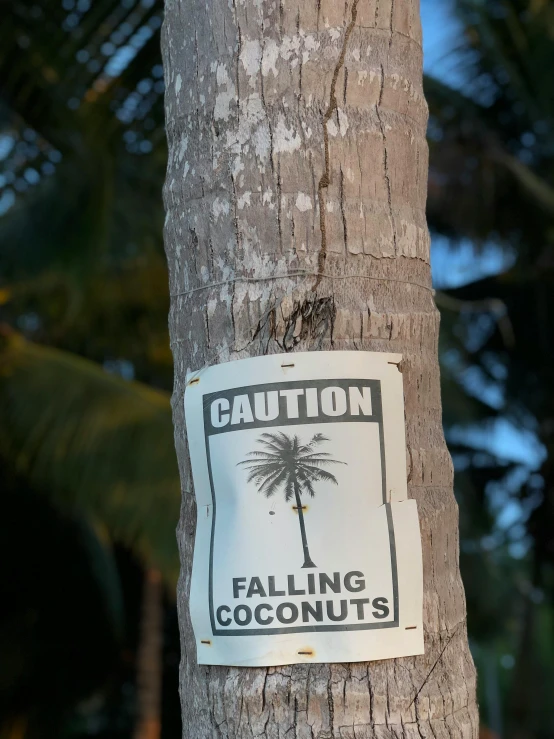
14, 729
295, 199
307, 559
149, 668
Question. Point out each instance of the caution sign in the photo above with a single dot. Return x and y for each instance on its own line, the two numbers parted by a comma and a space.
307, 548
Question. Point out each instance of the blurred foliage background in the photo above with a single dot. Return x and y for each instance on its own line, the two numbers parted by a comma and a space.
90, 491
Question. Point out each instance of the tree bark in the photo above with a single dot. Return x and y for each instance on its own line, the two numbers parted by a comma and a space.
295, 199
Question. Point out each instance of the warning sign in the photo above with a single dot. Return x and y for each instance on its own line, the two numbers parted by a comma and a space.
307, 548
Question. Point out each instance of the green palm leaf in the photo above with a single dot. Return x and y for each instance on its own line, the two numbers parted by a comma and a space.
95, 443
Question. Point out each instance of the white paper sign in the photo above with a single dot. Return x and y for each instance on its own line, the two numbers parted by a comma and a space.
307, 549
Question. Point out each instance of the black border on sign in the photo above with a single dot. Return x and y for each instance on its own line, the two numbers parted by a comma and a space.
377, 417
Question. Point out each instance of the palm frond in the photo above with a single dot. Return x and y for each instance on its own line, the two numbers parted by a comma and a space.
272, 484
318, 439
257, 455
277, 438
291, 464
284, 440
316, 475
289, 489
260, 472
66, 105
491, 140
272, 448
306, 485
95, 443
317, 462
309, 454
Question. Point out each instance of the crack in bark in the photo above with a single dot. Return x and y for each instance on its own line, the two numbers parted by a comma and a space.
385, 156
263, 692
443, 650
331, 706
279, 196
343, 210
326, 176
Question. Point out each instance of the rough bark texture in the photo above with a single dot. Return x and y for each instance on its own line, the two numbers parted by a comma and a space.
295, 200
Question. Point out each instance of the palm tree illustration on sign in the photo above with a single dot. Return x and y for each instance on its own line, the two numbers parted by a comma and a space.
284, 462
